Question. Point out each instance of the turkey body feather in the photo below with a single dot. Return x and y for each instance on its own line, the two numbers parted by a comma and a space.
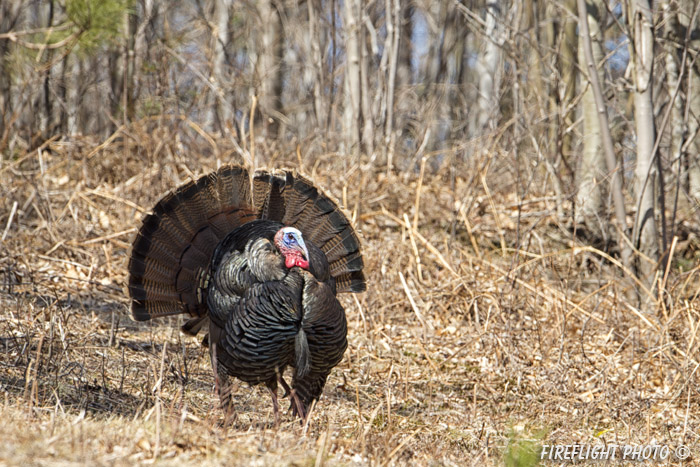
219, 248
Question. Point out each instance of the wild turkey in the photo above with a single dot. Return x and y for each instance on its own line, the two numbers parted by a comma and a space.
260, 262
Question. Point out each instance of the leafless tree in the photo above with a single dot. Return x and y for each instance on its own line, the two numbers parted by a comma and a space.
646, 172
591, 174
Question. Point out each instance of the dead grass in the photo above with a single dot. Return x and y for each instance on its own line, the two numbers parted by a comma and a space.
486, 331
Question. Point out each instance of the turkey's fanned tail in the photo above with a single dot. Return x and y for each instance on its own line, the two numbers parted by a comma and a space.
170, 257
169, 261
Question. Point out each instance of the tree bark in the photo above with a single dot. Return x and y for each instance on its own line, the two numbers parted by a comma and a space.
222, 111
488, 69
72, 83
270, 67
569, 73
611, 162
646, 176
590, 190
393, 26
677, 124
405, 47
317, 67
365, 101
693, 95
352, 120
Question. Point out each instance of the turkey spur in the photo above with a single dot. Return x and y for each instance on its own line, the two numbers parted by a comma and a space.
259, 262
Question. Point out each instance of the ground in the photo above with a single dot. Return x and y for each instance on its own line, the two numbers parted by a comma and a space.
488, 329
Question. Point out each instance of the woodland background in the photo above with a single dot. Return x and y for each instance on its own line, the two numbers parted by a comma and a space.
525, 177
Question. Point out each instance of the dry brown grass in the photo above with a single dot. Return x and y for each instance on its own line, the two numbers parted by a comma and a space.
486, 329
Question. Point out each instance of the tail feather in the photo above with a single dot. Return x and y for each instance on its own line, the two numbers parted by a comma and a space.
270, 195
225, 189
343, 244
161, 234
303, 197
156, 291
143, 310
223, 221
301, 350
153, 270
198, 251
350, 263
326, 227
186, 280
351, 282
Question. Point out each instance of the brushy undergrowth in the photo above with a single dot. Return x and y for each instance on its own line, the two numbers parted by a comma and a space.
488, 328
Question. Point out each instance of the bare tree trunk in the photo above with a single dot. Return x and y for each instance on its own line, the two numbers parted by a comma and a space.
47, 126
72, 83
129, 36
270, 67
488, 69
434, 13
9, 13
351, 115
393, 26
317, 67
404, 74
646, 176
693, 96
611, 162
537, 93
116, 81
367, 114
222, 113
568, 73
127, 75
454, 42
141, 46
678, 127
404, 22
590, 191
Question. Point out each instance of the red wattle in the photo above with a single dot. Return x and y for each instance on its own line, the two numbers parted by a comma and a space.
293, 260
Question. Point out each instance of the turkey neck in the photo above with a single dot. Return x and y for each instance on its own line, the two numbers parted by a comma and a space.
239, 238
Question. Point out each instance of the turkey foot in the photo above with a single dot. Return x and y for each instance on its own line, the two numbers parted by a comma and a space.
297, 407
272, 387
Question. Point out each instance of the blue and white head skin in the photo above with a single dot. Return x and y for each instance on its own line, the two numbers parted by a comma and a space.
290, 243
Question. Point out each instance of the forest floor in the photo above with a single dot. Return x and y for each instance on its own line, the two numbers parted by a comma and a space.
488, 329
